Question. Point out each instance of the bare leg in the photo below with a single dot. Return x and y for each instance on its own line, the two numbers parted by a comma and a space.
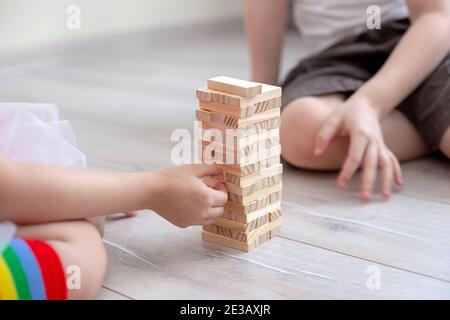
445, 144
302, 119
77, 243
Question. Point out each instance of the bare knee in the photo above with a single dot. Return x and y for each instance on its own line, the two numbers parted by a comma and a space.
445, 144
301, 121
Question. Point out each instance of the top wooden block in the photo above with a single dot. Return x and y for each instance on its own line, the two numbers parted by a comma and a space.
237, 87
236, 105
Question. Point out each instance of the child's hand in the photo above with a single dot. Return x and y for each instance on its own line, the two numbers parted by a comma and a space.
184, 199
358, 120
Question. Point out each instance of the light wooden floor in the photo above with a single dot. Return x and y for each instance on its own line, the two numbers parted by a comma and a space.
125, 95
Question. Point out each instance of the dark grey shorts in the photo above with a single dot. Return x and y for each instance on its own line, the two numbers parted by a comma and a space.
346, 66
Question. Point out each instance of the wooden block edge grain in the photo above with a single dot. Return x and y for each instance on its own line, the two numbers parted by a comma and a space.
237, 108
224, 109
255, 234
250, 169
235, 122
221, 158
256, 195
252, 215
242, 181
243, 88
241, 142
250, 224
247, 131
262, 183
234, 151
202, 115
247, 208
224, 241
257, 237
268, 99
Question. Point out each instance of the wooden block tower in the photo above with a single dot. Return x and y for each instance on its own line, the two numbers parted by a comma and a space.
247, 114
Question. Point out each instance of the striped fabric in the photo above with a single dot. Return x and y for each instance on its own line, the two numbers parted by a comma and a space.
31, 270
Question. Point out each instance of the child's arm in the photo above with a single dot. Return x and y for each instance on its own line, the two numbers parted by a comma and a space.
33, 193
265, 24
419, 52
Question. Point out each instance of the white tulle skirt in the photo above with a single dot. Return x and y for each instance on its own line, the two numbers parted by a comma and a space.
34, 133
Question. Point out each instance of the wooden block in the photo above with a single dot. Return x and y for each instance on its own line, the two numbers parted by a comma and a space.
242, 227
262, 183
224, 241
229, 233
246, 89
258, 117
258, 146
247, 217
238, 180
242, 142
244, 131
274, 215
208, 95
202, 115
262, 106
256, 233
251, 168
236, 122
232, 224
254, 206
254, 196
239, 151
218, 157
247, 237
235, 244
268, 93
244, 111
255, 237
239, 147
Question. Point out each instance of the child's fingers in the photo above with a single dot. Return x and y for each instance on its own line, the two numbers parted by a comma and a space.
328, 131
220, 186
207, 222
358, 145
203, 170
219, 196
397, 169
219, 177
387, 174
369, 172
215, 212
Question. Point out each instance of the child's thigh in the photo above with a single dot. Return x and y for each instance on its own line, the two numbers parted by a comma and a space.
80, 248
445, 143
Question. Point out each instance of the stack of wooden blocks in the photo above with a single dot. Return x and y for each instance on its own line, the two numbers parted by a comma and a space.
247, 114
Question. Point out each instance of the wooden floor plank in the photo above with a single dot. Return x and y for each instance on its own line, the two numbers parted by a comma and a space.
405, 232
158, 261
108, 294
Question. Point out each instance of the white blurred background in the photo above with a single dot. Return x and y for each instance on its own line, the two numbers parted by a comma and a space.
26, 24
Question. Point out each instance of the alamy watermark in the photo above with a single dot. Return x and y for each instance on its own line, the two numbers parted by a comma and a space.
73, 279
373, 17
373, 281
73, 21
230, 146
